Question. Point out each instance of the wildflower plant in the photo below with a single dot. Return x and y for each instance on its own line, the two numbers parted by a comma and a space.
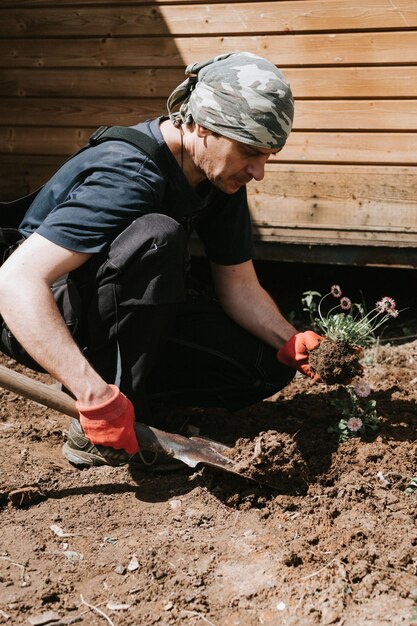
347, 321
358, 412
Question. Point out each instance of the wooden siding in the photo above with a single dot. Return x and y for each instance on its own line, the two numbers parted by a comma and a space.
347, 176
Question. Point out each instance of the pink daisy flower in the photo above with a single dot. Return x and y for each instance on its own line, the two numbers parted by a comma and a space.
345, 303
362, 389
386, 304
336, 291
354, 424
393, 312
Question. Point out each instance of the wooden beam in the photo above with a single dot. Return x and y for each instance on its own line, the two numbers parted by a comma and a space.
394, 148
79, 112
337, 49
350, 147
384, 115
187, 19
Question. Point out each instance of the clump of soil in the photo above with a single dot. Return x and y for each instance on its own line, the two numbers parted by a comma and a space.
336, 362
272, 458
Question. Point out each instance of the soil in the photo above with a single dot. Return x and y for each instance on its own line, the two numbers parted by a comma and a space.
335, 542
272, 458
336, 362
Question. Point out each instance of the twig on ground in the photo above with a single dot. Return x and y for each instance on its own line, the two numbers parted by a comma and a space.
22, 567
201, 616
95, 608
318, 571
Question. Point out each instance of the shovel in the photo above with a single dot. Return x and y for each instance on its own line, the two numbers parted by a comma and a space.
190, 451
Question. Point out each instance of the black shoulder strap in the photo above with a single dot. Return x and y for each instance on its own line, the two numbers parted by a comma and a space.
12, 213
130, 135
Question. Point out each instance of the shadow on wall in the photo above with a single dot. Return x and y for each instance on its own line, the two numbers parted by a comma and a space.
67, 70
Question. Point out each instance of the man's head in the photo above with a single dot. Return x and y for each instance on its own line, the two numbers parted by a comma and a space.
240, 96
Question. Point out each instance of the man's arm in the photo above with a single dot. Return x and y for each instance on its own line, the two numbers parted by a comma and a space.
29, 310
247, 303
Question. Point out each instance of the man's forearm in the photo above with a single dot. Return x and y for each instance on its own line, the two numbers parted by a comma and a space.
254, 310
30, 312
247, 303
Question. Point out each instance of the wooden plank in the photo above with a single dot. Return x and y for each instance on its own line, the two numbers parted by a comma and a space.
79, 112
24, 4
395, 148
42, 141
353, 82
339, 83
350, 147
339, 237
382, 115
363, 198
90, 83
325, 49
328, 82
21, 175
259, 17
14, 4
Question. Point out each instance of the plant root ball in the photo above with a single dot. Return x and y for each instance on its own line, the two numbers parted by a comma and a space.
336, 362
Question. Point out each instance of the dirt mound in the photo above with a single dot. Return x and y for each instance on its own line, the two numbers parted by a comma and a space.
272, 457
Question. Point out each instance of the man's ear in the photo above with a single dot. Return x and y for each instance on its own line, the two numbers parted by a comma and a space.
202, 132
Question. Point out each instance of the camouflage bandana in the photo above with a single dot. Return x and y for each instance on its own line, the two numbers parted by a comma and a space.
238, 95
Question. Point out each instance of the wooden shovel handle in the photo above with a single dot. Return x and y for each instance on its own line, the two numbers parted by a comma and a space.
37, 391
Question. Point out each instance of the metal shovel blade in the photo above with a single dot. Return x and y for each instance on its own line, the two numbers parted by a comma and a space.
190, 451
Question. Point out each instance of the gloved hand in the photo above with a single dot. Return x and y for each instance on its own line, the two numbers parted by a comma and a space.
294, 353
110, 423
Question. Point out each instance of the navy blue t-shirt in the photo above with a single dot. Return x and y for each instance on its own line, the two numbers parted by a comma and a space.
95, 195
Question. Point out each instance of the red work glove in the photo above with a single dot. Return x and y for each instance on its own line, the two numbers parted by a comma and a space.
294, 353
110, 423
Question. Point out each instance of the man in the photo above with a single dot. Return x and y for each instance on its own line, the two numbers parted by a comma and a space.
108, 231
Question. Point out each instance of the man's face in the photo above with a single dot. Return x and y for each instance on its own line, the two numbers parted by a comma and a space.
229, 164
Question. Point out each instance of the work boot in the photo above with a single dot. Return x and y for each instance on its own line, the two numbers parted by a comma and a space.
81, 453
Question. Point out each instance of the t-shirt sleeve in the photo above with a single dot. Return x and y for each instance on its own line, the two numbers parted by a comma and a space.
97, 209
226, 229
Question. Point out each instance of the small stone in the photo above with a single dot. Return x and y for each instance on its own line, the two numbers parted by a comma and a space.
133, 565
281, 606
111, 540
168, 606
72, 556
44, 618
120, 569
114, 606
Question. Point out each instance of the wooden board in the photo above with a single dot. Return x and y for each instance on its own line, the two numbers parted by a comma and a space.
187, 19
306, 50
383, 115
398, 148
348, 175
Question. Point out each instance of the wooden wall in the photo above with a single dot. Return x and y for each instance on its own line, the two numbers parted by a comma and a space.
348, 173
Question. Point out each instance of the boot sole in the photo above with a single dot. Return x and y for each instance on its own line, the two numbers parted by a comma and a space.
87, 459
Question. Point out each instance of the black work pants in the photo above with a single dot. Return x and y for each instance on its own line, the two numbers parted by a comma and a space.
131, 315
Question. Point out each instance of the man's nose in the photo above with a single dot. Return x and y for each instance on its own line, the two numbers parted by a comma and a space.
256, 169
